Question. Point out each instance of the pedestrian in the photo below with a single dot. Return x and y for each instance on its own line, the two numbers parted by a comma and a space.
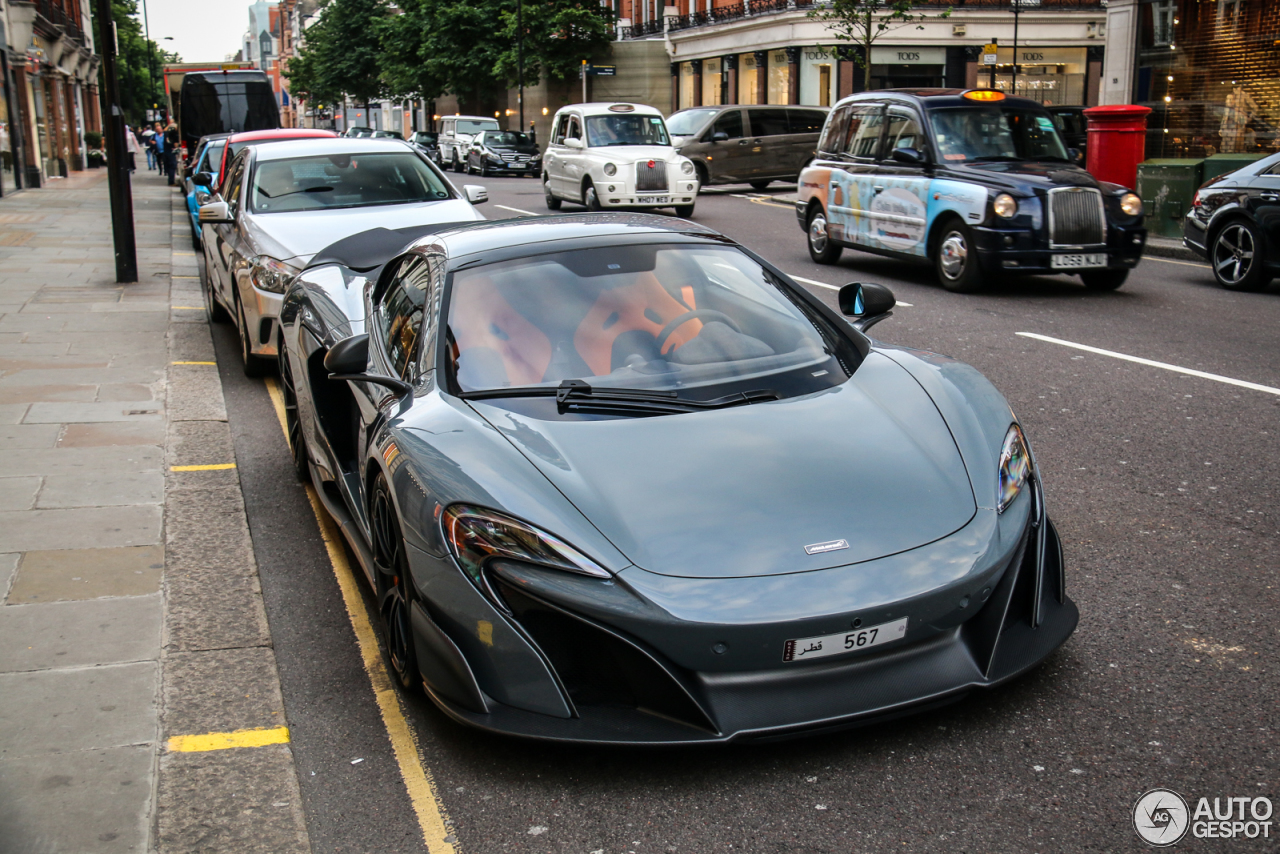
171, 152
131, 147
149, 143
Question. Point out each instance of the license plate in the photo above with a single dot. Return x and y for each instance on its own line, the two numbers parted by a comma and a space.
806, 648
1073, 262
654, 200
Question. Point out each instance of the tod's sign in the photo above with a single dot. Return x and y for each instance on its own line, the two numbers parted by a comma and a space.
908, 55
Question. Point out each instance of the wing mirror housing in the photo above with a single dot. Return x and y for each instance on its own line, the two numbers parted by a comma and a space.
475, 194
719, 136
573, 142
866, 303
349, 360
910, 156
203, 179
215, 212
1076, 155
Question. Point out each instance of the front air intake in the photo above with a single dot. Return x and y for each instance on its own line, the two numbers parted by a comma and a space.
651, 178
1076, 217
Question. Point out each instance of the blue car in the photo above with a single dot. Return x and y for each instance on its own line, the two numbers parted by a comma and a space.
614, 478
206, 159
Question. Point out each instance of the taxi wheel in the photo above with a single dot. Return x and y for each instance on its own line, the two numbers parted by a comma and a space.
684, 211
822, 249
590, 198
1104, 280
955, 261
1236, 257
553, 204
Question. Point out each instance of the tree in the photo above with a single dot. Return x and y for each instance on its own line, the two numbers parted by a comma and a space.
558, 36
863, 22
342, 55
438, 47
139, 65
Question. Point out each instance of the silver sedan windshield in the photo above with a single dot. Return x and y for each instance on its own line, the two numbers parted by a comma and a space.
344, 181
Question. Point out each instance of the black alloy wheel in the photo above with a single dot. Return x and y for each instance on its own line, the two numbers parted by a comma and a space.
1236, 257
822, 249
484, 168
553, 203
394, 588
760, 186
217, 314
457, 164
254, 366
955, 259
292, 423
1103, 280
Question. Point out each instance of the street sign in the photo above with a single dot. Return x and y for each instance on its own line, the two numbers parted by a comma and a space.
989, 54
602, 70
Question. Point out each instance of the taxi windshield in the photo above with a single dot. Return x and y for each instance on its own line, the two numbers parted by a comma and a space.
626, 130
968, 134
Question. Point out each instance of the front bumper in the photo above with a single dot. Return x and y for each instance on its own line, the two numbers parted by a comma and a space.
1013, 251
642, 675
262, 315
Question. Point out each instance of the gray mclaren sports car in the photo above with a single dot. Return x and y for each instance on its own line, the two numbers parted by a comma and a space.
616, 479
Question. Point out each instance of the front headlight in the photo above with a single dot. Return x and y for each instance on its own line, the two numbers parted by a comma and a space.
1131, 204
687, 167
610, 169
1005, 206
475, 534
271, 275
1015, 467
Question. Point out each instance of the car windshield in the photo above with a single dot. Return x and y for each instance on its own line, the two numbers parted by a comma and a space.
687, 122
653, 317
626, 130
506, 138
474, 126
990, 133
237, 147
344, 181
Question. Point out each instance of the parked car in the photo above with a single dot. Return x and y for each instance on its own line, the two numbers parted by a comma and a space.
456, 134
280, 203
386, 134
747, 145
977, 183
208, 154
1234, 223
357, 131
1073, 127
500, 151
428, 142
238, 142
609, 493
615, 155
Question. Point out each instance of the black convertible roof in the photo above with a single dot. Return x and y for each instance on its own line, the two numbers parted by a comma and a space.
373, 248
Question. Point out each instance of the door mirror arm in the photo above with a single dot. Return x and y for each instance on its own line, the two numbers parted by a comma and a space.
399, 387
349, 360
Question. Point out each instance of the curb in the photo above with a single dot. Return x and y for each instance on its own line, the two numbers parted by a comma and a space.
1169, 247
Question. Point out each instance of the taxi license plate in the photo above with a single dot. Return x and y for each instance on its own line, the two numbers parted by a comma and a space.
653, 200
806, 648
1072, 262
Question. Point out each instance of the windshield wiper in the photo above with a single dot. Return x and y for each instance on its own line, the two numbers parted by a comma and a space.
577, 394
320, 189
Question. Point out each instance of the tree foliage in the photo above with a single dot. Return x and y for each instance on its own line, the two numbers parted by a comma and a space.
139, 66
863, 22
342, 54
438, 47
558, 36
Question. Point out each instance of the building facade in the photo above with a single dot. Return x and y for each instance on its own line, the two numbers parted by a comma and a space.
48, 90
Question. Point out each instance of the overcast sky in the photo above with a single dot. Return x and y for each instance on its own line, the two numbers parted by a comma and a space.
202, 30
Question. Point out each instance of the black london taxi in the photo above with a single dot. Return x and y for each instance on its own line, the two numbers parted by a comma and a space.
977, 183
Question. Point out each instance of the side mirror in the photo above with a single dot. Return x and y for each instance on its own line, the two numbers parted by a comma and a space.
349, 359
202, 179
202, 198
573, 142
1076, 156
867, 304
719, 136
910, 156
475, 194
215, 212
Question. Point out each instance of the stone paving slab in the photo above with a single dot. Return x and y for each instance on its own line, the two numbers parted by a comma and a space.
73, 634
18, 493
148, 431
79, 528
13, 413
83, 460
221, 690
67, 574
8, 569
14, 437
63, 491
96, 413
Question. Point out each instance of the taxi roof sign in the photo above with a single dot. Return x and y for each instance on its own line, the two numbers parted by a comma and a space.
984, 95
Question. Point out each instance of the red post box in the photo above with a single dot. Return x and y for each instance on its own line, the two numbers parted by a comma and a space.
1117, 142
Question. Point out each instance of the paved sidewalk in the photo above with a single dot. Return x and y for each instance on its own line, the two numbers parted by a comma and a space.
131, 613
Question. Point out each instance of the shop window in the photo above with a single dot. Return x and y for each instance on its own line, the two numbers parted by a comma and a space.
779, 77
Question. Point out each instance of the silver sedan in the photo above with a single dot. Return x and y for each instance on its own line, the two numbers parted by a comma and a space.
282, 203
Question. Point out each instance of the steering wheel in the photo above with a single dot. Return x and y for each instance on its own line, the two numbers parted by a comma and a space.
691, 315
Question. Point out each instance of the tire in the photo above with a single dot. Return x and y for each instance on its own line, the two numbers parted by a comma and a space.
484, 170
197, 244
954, 259
217, 314
760, 185
457, 164
254, 366
590, 199
394, 588
553, 203
1104, 280
703, 178
1236, 258
822, 249
292, 423
684, 211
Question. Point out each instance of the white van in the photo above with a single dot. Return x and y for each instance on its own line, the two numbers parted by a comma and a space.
456, 134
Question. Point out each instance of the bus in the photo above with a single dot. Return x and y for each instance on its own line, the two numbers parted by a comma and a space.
222, 98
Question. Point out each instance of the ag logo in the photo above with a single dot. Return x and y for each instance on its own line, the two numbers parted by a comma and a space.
1161, 817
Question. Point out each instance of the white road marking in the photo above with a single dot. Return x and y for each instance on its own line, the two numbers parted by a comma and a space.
517, 210
1151, 364
829, 287
1171, 261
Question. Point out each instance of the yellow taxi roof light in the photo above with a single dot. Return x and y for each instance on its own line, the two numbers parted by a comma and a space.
984, 95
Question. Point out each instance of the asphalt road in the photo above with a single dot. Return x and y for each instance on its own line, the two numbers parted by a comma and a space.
1163, 486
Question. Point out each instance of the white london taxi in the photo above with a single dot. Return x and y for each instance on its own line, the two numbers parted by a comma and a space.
609, 156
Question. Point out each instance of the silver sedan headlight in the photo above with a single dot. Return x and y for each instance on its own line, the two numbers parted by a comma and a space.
1015, 467
1131, 204
271, 275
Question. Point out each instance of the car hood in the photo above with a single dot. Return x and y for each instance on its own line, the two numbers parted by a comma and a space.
295, 237
1027, 176
519, 149
742, 492
634, 153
